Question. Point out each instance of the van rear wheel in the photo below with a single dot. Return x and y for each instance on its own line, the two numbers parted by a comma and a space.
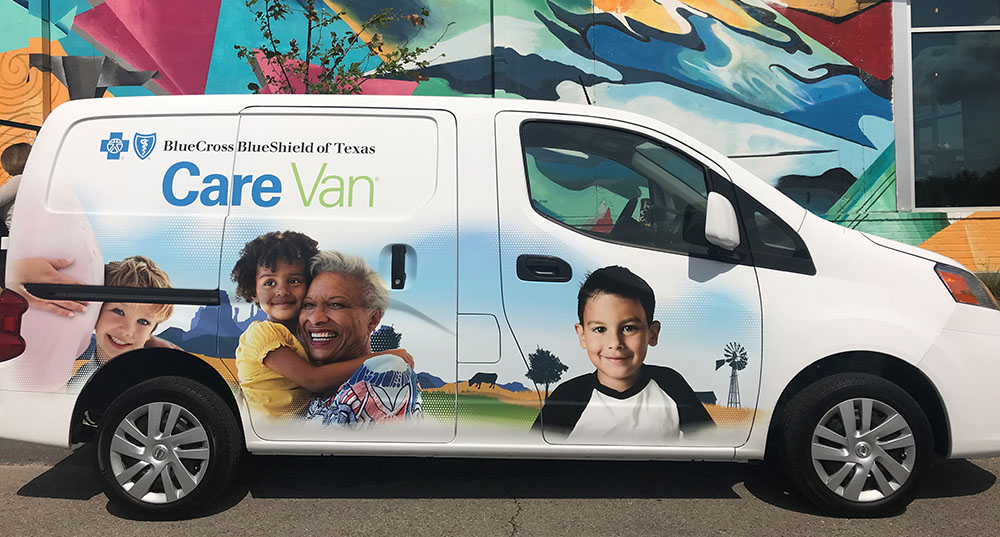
167, 447
856, 445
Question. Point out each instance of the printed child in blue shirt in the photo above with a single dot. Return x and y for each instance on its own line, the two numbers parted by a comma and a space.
125, 326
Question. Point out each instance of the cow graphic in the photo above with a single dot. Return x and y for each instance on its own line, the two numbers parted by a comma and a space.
479, 378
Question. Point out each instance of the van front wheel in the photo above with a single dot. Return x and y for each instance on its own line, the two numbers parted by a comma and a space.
856, 445
167, 447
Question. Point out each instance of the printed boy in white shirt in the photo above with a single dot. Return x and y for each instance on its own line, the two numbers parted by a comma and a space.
623, 400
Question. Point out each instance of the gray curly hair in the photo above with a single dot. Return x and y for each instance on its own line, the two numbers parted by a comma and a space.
375, 291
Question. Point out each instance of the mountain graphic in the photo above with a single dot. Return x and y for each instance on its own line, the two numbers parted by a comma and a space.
427, 380
214, 330
513, 386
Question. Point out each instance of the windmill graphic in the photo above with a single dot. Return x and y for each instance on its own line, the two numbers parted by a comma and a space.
736, 358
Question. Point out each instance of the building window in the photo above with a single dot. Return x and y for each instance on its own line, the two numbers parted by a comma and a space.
955, 50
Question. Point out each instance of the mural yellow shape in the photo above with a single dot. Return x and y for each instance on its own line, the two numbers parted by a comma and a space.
973, 241
355, 26
831, 8
662, 15
647, 12
727, 12
22, 92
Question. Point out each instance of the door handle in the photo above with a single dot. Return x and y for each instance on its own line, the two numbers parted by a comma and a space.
543, 268
398, 266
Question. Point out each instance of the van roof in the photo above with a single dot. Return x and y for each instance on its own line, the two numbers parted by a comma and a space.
64, 116
204, 105
234, 104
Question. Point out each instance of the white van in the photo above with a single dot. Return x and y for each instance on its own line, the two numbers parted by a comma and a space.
464, 277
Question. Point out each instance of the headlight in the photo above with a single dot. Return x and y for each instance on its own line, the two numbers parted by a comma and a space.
965, 287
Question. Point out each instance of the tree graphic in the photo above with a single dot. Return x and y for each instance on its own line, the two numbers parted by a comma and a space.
545, 368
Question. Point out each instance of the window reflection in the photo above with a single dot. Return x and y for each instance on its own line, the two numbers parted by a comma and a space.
616, 185
925, 13
955, 109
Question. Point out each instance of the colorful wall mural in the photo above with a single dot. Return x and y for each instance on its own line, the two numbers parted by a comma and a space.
806, 84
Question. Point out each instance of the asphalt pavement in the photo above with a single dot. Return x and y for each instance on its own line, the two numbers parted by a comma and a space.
48, 491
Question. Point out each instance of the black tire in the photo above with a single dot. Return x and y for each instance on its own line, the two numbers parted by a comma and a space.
872, 470
173, 473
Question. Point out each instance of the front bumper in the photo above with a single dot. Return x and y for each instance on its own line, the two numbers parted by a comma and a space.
964, 366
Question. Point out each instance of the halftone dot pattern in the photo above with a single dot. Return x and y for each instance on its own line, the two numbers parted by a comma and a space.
480, 236
186, 248
481, 252
515, 242
349, 237
439, 406
532, 307
431, 283
698, 319
483, 409
691, 309
16, 377
365, 239
479, 257
692, 314
13, 371
385, 338
484, 243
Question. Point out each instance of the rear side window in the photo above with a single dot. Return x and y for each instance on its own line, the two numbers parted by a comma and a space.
772, 242
616, 185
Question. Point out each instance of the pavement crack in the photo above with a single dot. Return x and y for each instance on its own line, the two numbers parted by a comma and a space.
513, 518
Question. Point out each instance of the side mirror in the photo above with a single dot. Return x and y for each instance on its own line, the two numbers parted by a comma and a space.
721, 226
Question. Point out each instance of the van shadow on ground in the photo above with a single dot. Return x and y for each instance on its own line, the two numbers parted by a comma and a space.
73, 478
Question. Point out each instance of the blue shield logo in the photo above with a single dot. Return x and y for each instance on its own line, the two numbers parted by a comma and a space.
143, 144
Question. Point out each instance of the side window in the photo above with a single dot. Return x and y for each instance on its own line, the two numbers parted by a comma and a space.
616, 185
772, 236
772, 242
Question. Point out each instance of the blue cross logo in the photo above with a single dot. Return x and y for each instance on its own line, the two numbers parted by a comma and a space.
114, 146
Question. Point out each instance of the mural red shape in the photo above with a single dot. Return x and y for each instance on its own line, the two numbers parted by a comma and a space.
388, 87
604, 224
864, 39
174, 38
368, 87
103, 28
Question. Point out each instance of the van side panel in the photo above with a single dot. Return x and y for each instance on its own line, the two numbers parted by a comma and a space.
121, 207
375, 191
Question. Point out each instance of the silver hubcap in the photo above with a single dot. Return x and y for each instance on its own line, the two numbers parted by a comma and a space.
863, 450
159, 453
